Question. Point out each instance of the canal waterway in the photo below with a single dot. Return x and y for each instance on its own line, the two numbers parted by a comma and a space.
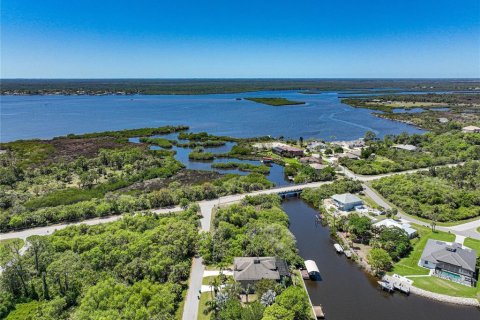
348, 293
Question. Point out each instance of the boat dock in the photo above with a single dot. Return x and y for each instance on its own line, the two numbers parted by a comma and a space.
397, 282
312, 269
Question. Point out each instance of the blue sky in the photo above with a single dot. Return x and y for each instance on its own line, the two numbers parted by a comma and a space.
225, 39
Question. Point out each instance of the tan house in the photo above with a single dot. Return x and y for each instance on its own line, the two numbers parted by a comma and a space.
471, 129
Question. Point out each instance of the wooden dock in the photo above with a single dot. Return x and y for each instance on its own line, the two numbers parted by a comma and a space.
399, 283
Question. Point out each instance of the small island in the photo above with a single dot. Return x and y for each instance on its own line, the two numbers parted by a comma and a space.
275, 101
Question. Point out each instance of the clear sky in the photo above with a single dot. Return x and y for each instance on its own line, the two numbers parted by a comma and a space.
244, 38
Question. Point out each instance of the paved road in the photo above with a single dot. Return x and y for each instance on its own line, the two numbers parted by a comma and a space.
190, 310
468, 229
206, 207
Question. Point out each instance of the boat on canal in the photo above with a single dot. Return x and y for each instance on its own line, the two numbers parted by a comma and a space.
338, 248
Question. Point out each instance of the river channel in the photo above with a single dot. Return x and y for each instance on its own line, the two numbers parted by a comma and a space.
348, 293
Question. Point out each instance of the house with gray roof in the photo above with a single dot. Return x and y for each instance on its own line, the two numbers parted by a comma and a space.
450, 261
248, 270
346, 201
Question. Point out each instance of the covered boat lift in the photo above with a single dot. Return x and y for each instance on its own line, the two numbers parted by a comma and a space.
312, 268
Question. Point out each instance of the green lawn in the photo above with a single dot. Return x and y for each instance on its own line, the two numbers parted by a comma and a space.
473, 244
409, 264
204, 297
442, 286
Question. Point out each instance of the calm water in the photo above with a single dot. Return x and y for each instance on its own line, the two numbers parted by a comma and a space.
323, 116
345, 291
276, 174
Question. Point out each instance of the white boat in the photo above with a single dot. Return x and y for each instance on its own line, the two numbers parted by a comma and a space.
338, 248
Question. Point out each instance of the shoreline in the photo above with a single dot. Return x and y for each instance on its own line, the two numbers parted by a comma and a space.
462, 301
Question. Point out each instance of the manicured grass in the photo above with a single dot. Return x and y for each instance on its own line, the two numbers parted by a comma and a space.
207, 280
473, 244
275, 101
204, 297
442, 286
409, 265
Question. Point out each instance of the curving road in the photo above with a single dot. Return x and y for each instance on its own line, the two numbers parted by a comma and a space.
195, 281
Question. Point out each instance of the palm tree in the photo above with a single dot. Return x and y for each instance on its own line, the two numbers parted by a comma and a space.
434, 217
268, 298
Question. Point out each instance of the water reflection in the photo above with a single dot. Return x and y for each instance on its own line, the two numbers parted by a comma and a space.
345, 291
276, 174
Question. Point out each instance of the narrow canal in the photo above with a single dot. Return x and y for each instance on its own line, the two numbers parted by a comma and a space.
345, 291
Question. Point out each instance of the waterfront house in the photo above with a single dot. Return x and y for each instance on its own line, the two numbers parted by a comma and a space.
471, 129
248, 270
390, 223
346, 201
349, 155
287, 151
406, 147
316, 146
450, 261
317, 166
306, 160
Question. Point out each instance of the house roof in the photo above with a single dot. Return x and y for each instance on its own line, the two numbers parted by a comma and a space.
317, 166
407, 147
470, 128
287, 148
257, 268
346, 198
388, 223
451, 253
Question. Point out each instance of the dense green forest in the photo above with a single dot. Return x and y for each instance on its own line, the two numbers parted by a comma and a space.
98, 174
441, 194
131, 269
207, 86
256, 227
433, 149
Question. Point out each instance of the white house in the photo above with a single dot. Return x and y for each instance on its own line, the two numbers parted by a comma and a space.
346, 201
390, 223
